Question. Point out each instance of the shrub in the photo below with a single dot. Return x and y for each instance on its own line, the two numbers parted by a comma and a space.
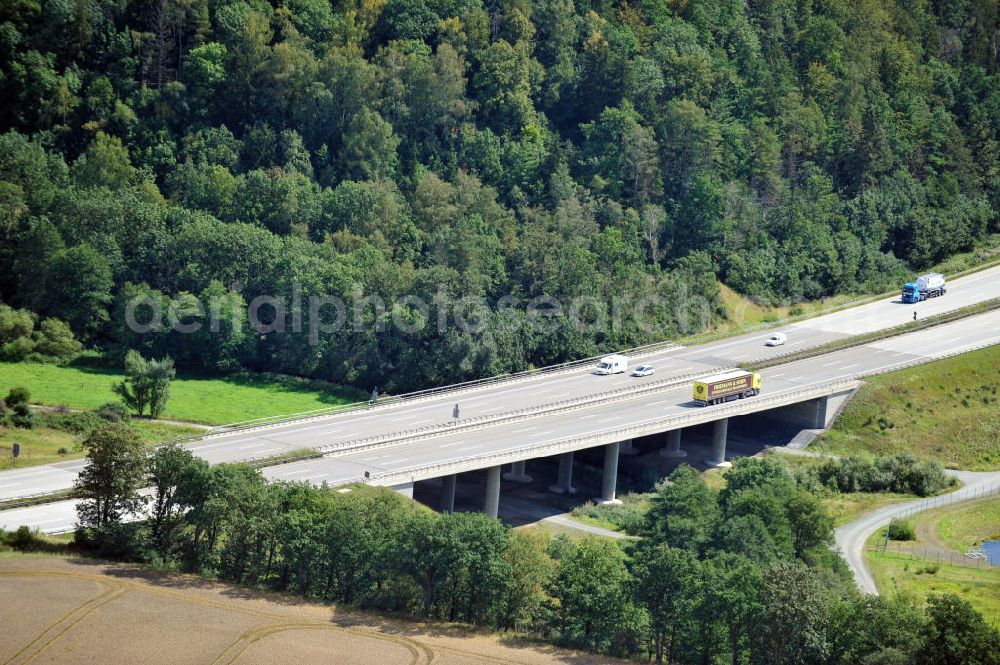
17, 350
124, 542
75, 423
629, 516
116, 412
901, 531
63, 451
18, 395
899, 473
23, 540
24, 419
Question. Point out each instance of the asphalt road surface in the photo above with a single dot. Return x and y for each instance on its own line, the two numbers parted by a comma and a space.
336, 469
267, 441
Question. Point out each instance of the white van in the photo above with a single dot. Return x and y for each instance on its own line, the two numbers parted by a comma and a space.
613, 364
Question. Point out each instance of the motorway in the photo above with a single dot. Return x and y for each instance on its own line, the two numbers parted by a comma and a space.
507, 396
843, 365
478, 448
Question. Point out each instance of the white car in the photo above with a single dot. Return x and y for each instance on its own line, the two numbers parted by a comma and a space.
777, 339
643, 370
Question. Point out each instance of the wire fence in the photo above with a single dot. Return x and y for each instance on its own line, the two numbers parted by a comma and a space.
974, 556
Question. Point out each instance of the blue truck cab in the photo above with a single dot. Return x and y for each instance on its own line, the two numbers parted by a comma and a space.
911, 293
926, 286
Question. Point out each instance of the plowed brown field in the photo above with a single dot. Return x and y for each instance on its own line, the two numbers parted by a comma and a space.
65, 610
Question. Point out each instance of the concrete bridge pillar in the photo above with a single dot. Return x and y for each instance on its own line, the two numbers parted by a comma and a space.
627, 448
492, 503
517, 474
673, 448
564, 482
448, 493
610, 480
720, 429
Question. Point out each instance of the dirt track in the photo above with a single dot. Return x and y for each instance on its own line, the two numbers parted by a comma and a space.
79, 611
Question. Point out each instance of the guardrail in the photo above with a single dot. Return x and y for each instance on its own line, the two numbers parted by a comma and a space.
636, 352
591, 440
770, 360
484, 421
913, 362
35, 498
479, 422
419, 395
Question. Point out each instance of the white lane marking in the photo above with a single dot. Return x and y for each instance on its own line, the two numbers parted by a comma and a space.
833, 363
212, 445
462, 450
612, 419
318, 475
449, 445
850, 366
285, 473
397, 461
526, 429
775, 376
418, 422
369, 459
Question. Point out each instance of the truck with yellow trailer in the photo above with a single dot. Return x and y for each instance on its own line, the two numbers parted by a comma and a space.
735, 384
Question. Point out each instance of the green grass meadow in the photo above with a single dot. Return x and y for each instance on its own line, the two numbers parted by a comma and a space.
948, 409
41, 445
212, 401
975, 522
905, 573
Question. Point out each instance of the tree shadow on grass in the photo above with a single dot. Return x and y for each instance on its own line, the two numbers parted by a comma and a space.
169, 579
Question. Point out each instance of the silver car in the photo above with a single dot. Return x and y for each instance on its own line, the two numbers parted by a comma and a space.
777, 339
643, 370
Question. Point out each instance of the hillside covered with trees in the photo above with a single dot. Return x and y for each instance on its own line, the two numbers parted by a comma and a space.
454, 149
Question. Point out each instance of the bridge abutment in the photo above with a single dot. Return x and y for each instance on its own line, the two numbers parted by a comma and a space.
406, 489
818, 413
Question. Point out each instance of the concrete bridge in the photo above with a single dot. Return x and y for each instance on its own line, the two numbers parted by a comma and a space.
554, 414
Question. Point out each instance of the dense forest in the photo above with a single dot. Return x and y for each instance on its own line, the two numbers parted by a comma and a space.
463, 151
